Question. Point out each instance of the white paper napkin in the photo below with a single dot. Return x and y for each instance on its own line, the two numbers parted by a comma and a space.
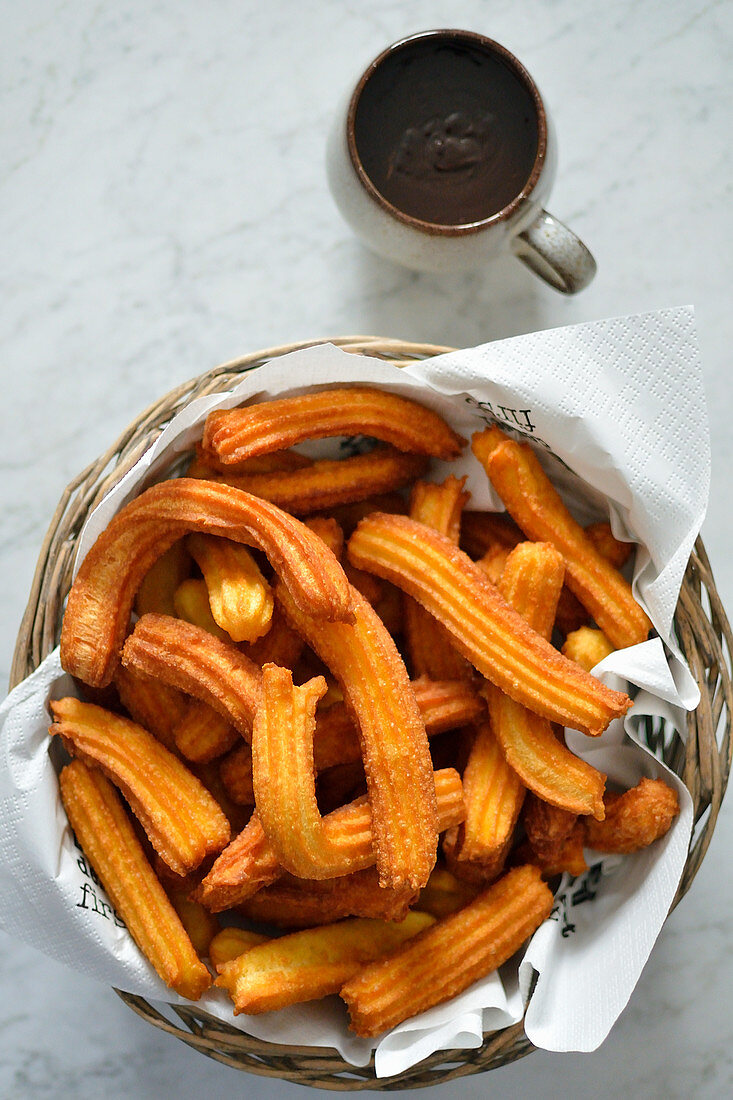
617, 412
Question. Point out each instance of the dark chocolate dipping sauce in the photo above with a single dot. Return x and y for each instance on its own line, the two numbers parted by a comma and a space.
446, 131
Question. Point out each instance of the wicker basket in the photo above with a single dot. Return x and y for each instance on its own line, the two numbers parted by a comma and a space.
703, 760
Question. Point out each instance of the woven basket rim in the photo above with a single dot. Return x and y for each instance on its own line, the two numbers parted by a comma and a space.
703, 761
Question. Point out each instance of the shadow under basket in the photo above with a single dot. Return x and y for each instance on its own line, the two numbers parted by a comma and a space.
702, 760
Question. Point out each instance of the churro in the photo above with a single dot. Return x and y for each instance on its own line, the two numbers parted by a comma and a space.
236, 434
365, 662
152, 704
239, 596
249, 862
101, 597
192, 660
308, 965
496, 640
202, 734
449, 956
180, 818
635, 818
96, 815
305, 903
535, 504
330, 482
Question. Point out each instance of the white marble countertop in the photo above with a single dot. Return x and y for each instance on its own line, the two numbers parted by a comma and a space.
163, 208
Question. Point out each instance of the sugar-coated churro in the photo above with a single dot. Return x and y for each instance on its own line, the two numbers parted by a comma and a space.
445, 959
192, 660
181, 819
239, 596
249, 862
364, 660
304, 903
97, 816
496, 640
308, 965
330, 482
236, 434
101, 597
535, 504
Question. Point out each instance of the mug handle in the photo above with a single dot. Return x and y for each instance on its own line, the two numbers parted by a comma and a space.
554, 253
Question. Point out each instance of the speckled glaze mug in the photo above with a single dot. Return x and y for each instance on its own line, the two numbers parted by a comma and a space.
443, 156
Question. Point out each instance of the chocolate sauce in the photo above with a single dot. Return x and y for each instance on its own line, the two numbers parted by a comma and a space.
446, 131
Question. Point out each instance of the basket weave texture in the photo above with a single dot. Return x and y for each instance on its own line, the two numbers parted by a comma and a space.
703, 760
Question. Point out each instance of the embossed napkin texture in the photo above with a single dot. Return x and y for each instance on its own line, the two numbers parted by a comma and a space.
616, 411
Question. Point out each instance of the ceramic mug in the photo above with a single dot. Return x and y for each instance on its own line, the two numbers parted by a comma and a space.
443, 156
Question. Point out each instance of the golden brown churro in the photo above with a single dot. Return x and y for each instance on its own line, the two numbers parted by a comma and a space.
239, 596
101, 597
308, 965
232, 942
532, 582
330, 482
236, 434
429, 648
108, 839
152, 704
587, 647
182, 821
158, 586
191, 659
249, 863
448, 957
484, 628
634, 819
304, 903
202, 734
535, 504
365, 662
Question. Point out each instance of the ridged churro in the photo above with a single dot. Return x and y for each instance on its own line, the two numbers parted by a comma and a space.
304, 903
180, 818
308, 965
448, 957
249, 863
202, 733
283, 775
364, 660
330, 482
101, 597
236, 434
96, 815
429, 648
536, 506
444, 705
239, 596
532, 583
484, 628
151, 703
192, 660
493, 794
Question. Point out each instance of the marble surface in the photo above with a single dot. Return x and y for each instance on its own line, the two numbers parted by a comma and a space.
163, 207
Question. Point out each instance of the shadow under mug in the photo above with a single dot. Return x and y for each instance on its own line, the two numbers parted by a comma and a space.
408, 96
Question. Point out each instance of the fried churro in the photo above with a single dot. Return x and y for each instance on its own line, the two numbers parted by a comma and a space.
101, 597
203, 734
330, 482
239, 596
249, 863
496, 640
372, 676
192, 660
635, 818
587, 647
151, 703
180, 818
305, 903
97, 816
236, 434
308, 965
535, 504
446, 958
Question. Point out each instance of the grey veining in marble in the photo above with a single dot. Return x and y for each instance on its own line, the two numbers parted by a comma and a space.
163, 207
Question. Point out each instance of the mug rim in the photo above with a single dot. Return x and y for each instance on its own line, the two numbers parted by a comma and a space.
490, 46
